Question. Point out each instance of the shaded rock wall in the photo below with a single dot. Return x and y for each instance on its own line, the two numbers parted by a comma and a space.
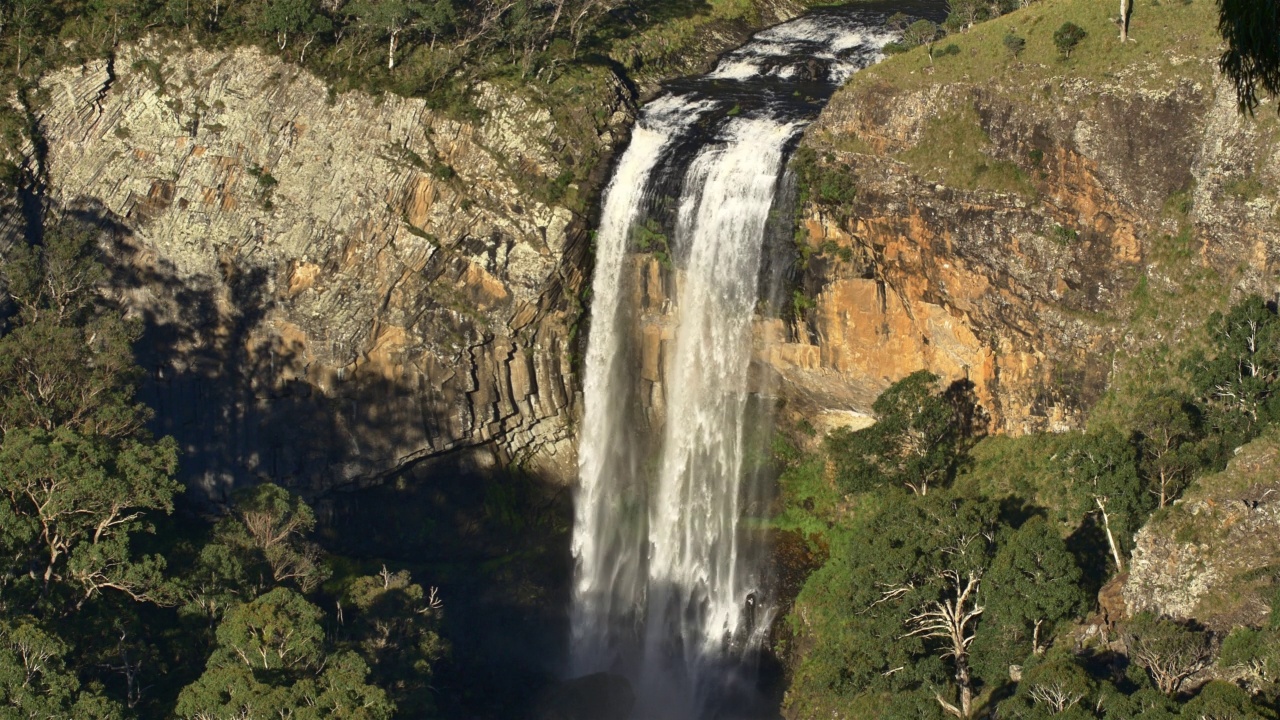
336, 286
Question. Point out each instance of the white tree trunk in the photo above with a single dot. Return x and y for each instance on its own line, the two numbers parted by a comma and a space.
1124, 21
391, 50
1111, 538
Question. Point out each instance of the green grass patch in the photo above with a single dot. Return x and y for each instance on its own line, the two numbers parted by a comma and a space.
1171, 42
1026, 467
952, 151
1245, 189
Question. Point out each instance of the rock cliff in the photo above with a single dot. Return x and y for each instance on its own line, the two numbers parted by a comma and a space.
338, 285
1211, 556
334, 285
1037, 228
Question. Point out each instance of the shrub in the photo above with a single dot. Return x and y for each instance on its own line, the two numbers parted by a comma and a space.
920, 32
1064, 235
1014, 44
921, 435
898, 22
1067, 37
1168, 651
265, 179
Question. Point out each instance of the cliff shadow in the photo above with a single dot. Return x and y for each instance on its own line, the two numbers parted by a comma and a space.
496, 542
493, 538
234, 390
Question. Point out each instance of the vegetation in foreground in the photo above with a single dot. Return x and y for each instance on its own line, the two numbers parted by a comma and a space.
110, 607
959, 570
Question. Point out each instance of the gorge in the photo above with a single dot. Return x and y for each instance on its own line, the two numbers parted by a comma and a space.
576, 352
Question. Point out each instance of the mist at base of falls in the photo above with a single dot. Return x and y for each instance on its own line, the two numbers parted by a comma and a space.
671, 585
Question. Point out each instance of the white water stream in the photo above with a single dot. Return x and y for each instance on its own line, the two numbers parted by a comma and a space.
666, 589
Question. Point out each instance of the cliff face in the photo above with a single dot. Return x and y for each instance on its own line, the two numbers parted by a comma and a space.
1016, 231
1211, 556
333, 285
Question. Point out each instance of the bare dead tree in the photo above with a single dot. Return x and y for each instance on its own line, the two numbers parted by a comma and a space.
1056, 696
953, 622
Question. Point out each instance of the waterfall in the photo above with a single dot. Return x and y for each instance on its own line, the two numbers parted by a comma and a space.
667, 589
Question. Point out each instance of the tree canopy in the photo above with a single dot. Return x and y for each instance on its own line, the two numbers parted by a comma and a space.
1251, 29
108, 606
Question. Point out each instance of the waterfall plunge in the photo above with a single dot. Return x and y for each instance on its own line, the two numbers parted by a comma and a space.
663, 582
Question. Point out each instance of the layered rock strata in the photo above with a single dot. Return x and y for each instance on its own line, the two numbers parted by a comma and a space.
333, 285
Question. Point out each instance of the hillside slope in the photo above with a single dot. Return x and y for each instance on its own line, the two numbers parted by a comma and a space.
1047, 228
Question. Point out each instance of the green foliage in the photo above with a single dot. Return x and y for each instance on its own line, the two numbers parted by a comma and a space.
920, 32
1170, 652
1067, 37
1251, 59
272, 660
1222, 700
953, 150
394, 623
1245, 189
1014, 44
289, 18
1169, 430
78, 473
1066, 509
262, 544
1034, 584
649, 237
829, 184
919, 439
1254, 656
1146, 703
898, 22
1055, 686
896, 565
264, 178
1100, 470
966, 13
87, 628
1237, 377
35, 681
1064, 236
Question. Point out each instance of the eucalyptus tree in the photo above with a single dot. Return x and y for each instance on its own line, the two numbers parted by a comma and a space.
79, 472
919, 440
1251, 60
273, 660
1101, 471
1239, 374
1033, 584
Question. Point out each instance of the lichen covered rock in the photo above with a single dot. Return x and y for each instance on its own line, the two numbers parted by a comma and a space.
334, 285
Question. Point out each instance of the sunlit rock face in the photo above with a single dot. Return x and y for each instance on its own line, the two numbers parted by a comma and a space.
1130, 190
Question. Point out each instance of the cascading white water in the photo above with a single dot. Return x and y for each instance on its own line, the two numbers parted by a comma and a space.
665, 589
695, 591
609, 511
